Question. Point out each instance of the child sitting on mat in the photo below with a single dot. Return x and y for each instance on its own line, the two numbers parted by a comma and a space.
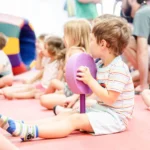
76, 39
54, 49
115, 101
6, 75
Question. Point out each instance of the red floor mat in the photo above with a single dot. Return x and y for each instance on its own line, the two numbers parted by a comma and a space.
137, 137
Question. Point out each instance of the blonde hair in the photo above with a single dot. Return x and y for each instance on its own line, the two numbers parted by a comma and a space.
3, 41
115, 31
55, 47
79, 31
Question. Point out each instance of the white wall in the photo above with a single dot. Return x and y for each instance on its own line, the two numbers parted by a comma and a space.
46, 16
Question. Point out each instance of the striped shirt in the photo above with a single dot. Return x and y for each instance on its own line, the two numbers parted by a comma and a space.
116, 77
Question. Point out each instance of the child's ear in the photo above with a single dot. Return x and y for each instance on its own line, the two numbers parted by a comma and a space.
103, 43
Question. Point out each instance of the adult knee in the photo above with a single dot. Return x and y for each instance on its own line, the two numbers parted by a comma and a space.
146, 92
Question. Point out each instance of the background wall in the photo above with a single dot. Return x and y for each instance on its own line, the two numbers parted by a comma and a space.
46, 16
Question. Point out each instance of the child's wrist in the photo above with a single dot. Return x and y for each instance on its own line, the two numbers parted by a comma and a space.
90, 81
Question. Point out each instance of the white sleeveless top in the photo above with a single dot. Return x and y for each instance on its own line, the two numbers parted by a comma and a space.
50, 72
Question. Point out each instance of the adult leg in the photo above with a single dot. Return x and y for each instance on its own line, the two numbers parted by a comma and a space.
130, 52
143, 61
146, 97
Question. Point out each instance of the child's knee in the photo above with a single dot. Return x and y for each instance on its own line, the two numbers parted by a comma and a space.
42, 101
45, 102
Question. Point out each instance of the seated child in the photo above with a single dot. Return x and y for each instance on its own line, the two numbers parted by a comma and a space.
115, 100
76, 39
37, 65
54, 50
6, 75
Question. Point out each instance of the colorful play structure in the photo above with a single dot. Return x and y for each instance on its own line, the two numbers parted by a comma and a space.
20, 47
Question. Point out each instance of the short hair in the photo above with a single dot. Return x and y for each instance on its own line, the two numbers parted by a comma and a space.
3, 41
115, 31
105, 16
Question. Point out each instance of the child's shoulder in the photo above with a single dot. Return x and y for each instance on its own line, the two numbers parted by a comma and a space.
73, 50
118, 65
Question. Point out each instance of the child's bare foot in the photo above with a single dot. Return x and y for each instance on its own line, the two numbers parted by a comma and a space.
7, 94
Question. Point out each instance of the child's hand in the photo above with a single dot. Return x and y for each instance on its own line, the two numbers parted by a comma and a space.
84, 74
69, 102
40, 54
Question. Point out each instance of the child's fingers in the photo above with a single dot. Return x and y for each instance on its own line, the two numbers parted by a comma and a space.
79, 78
80, 74
70, 105
81, 68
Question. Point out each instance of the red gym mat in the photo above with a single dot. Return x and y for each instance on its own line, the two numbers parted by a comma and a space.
137, 137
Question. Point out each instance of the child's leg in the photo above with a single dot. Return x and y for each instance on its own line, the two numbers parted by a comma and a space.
65, 126
55, 85
6, 81
9, 91
24, 95
146, 97
51, 100
76, 106
38, 94
52, 129
6, 145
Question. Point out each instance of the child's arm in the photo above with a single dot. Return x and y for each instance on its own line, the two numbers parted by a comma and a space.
107, 96
71, 100
38, 64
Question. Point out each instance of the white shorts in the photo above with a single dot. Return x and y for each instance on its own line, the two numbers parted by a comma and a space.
104, 120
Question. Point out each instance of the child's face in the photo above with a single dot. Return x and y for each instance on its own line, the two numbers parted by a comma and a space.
39, 45
95, 49
45, 51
